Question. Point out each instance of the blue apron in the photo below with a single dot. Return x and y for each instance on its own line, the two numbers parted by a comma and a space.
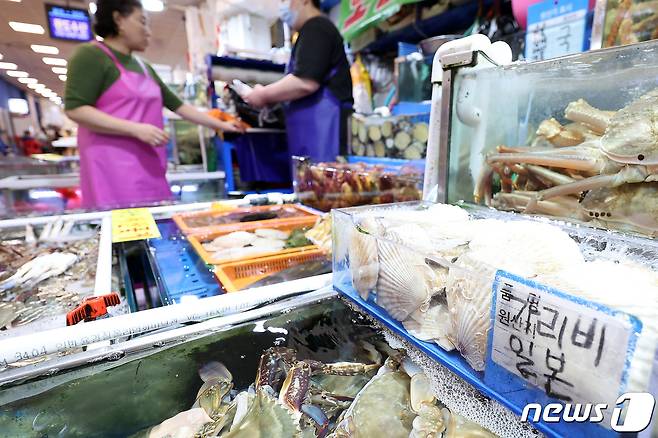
313, 122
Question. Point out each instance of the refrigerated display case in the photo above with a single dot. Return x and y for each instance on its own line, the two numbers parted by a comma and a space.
324, 186
526, 311
572, 137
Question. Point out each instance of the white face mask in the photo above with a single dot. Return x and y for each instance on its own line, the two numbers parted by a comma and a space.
286, 14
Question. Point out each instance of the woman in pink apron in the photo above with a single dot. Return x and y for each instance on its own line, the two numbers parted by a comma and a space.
121, 141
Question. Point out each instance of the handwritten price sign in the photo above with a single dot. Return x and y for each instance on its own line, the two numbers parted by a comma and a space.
133, 224
571, 349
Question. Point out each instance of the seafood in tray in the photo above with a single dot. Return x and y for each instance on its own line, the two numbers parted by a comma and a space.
601, 166
209, 221
431, 268
325, 186
45, 276
252, 241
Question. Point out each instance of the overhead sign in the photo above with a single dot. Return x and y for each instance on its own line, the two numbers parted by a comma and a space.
556, 28
71, 24
358, 15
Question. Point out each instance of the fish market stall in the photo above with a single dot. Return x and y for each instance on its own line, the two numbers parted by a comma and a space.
264, 317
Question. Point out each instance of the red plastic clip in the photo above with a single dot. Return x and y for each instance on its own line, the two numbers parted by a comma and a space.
92, 308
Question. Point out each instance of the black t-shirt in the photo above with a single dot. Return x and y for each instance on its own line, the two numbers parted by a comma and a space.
318, 49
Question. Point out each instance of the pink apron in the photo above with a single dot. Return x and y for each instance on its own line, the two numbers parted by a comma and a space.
118, 171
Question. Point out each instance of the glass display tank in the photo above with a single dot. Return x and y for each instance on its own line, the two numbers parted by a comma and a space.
573, 137
138, 390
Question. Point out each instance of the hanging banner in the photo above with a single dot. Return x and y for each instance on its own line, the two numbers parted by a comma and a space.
358, 15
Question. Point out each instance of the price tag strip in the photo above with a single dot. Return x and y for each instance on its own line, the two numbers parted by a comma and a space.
547, 346
133, 224
556, 28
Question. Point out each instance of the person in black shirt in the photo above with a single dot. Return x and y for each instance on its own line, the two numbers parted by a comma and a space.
317, 86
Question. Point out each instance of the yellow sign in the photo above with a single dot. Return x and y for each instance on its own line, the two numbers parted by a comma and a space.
221, 206
133, 224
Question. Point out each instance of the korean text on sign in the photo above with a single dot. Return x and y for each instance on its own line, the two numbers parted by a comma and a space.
571, 349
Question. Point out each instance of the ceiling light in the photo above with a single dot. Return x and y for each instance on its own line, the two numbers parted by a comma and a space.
17, 74
55, 61
153, 5
8, 66
49, 95
60, 70
26, 27
48, 50
36, 86
27, 81
18, 106
92, 7
62, 78
99, 38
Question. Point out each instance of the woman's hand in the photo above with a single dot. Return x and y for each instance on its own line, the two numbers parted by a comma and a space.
256, 97
150, 134
234, 126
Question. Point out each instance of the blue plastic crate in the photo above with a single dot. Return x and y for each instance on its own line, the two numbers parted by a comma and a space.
179, 271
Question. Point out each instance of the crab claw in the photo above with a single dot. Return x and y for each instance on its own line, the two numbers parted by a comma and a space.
318, 417
295, 387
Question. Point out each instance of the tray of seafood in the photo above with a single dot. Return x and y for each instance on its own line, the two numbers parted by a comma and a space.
252, 240
526, 310
47, 272
325, 186
205, 222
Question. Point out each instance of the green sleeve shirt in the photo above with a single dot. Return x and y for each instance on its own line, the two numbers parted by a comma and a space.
91, 72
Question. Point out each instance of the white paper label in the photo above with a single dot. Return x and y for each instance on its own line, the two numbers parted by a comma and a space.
573, 350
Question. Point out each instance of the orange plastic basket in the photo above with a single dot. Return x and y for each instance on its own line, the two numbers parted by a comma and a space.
186, 221
239, 275
197, 240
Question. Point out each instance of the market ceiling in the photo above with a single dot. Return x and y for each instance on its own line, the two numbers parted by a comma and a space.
168, 44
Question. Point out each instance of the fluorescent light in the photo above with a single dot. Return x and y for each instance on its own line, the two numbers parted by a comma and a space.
26, 27
48, 50
55, 61
17, 74
36, 86
62, 78
49, 95
92, 7
27, 81
99, 38
8, 66
18, 106
153, 5
60, 70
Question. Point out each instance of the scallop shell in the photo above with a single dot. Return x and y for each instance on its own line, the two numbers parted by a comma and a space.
432, 325
469, 305
362, 253
405, 281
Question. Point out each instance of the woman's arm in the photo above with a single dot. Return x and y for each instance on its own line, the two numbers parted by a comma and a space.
103, 123
288, 88
193, 115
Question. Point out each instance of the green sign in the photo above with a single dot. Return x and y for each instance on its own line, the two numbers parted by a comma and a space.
358, 15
